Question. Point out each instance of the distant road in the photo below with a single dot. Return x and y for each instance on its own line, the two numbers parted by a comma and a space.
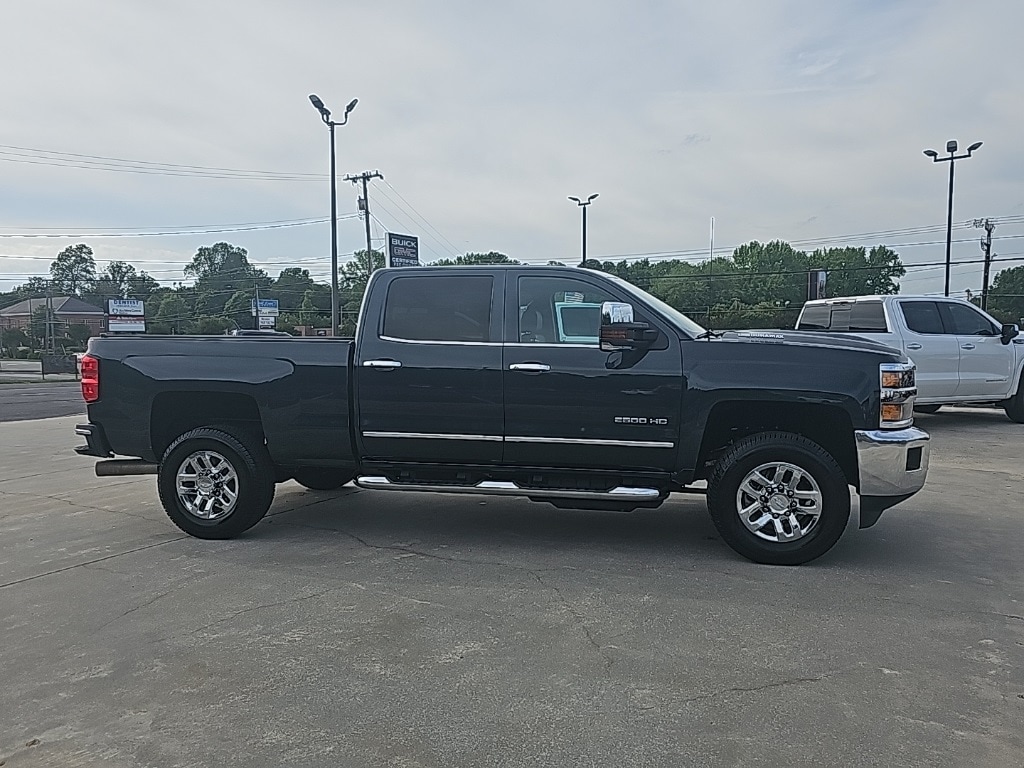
19, 402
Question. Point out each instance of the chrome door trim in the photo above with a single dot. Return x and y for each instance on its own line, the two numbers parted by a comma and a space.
590, 441
435, 436
444, 343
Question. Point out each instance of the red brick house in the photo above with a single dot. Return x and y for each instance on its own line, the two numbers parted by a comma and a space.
68, 310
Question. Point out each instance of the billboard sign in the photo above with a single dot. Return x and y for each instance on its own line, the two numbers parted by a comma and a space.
268, 308
403, 250
126, 316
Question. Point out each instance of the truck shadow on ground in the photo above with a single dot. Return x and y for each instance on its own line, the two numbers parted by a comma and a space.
680, 528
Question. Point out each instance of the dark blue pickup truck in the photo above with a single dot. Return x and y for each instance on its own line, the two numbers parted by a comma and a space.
563, 385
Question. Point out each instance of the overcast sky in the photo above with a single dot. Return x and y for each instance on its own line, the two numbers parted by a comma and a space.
800, 120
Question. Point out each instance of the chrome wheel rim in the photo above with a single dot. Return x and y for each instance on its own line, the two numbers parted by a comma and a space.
779, 502
207, 485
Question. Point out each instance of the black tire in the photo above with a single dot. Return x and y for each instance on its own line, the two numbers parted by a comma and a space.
1014, 407
322, 478
252, 483
815, 462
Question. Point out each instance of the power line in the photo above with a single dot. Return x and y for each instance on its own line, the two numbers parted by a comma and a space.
214, 231
54, 158
447, 243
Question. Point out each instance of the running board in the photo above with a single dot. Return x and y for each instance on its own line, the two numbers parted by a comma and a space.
508, 488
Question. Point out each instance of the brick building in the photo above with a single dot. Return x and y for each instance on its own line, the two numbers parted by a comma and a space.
67, 310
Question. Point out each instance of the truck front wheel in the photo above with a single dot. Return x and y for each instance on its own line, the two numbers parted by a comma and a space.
778, 498
214, 484
1014, 407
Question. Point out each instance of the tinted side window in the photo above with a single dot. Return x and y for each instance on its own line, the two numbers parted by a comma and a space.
555, 310
968, 322
922, 316
815, 318
868, 317
440, 308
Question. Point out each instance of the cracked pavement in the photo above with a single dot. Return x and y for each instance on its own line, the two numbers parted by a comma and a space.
364, 629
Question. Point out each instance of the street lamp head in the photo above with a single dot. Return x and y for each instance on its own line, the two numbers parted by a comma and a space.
974, 146
931, 153
592, 197
951, 146
351, 106
574, 199
315, 100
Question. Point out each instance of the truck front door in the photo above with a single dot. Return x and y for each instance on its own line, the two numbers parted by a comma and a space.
428, 369
566, 403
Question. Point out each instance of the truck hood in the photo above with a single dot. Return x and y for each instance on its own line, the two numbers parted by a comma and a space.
809, 339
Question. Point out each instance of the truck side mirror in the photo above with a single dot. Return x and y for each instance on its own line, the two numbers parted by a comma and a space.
1009, 333
620, 332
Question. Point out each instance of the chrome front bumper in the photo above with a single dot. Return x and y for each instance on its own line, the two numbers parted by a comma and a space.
893, 465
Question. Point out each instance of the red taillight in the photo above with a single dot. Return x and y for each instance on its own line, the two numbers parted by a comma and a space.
90, 379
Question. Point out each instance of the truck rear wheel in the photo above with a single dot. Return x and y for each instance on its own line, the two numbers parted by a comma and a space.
322, 478
214, 484
779, 499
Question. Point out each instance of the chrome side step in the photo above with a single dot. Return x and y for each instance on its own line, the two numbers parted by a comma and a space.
508, 488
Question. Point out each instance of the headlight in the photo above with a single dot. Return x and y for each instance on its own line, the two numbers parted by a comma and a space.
898, 391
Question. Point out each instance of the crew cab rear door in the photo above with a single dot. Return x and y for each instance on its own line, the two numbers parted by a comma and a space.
567, 404
428, 371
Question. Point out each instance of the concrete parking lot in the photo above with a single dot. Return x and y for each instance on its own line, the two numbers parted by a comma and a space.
363, 629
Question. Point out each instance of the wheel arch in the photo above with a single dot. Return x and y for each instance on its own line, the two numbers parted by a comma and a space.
828, 425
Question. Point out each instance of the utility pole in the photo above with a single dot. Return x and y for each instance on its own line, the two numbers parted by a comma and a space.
364, 206
256, 290
986, 248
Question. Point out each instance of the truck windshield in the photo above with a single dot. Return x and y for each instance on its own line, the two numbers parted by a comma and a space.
671, 314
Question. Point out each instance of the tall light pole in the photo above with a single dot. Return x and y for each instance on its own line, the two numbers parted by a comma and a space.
951, 147
583, 204
325, 115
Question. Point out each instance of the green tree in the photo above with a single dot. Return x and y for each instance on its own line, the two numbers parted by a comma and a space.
37, 332
491, 257
79, 334
354, 276
220, 270
239, 308
172, 316
855, 271
73, 271
212, 325
290, 288
11, 339
1006, 295
121, 280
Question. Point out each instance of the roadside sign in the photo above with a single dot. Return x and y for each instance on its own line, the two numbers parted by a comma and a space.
267, 321
403, 250
126, 316
267, 307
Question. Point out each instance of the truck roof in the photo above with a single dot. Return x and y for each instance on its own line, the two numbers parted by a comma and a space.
881, 297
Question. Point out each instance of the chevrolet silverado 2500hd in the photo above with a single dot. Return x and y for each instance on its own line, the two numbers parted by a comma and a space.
465, 380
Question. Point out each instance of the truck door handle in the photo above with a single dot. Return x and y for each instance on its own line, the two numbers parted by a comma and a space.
530, 367
913, 345
966, 346
382, 364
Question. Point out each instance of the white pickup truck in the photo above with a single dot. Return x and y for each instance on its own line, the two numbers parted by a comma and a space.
962, 354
